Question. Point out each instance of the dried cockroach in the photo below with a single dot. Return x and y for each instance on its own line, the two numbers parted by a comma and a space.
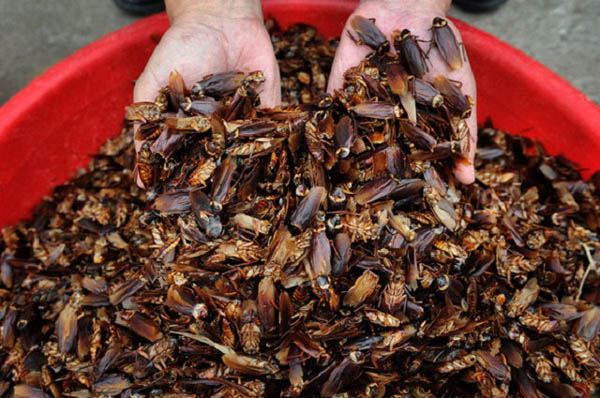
457, 364
8, 327
182, 302
202, 106
381, 188
28, 391
174, 202
441, 208
426, 94
342, 253
320, 258
222, 180
589, 324
296, 372
218, 85
492, 365
525, 385
393, 294
453, 97
445, 41
381, 318
307, 209
543, 367
564, 362
411, 54
144, 112
342, 374
202, 173
582, 353
345, 134
250, 333
241, 363
364, 286
139, 324
377, 110
400, 83
144, 167
523, 298
250, 223
538, 322
266, 303
199, 124
204, 213
513, 355
369, 34
66, 324
418, 136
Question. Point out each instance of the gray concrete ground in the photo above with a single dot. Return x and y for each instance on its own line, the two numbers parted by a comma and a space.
562, 34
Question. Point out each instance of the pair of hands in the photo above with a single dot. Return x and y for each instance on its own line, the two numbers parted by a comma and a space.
213, 36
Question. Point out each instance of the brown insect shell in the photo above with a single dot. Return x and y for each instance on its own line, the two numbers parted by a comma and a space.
345, 134
363, 287
266, 303
369, 34
306, 210
453, 96
426, 94
411, 54
218, 85
444, 39
143, 112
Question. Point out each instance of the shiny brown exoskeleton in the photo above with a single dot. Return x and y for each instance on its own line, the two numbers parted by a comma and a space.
445, 41
411, 54
369, 34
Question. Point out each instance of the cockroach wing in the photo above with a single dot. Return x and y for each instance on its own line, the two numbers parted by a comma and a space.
446, 43
307, 209
66, 328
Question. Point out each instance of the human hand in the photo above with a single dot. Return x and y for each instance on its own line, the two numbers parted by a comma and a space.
208, 37
417, 16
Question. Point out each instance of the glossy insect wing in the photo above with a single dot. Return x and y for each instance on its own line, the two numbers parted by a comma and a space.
369, 34
364, 286
446, 43
307, 209
411, 54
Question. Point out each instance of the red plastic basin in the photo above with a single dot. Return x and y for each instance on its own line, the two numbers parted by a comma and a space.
51, 127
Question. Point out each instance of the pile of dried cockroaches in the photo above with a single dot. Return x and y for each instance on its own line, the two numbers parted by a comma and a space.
318, 249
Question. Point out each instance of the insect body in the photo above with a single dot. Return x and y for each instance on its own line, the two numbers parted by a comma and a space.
446, 43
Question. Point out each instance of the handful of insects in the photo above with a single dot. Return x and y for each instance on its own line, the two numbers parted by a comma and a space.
319, 249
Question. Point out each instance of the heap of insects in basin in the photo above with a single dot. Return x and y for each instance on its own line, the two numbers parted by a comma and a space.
319, 249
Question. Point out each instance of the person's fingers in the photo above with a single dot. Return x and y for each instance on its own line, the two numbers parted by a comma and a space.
347, 55
260, 56
350, 54
196, 50
146, 86
270, 90
465, 172
186, 49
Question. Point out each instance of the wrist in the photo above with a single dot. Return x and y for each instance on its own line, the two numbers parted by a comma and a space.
434, 6
199, 10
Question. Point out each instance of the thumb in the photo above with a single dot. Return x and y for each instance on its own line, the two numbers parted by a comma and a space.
147, 86
347, 55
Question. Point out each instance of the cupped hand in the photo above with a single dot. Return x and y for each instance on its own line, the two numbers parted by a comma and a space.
417, 16
208, 37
